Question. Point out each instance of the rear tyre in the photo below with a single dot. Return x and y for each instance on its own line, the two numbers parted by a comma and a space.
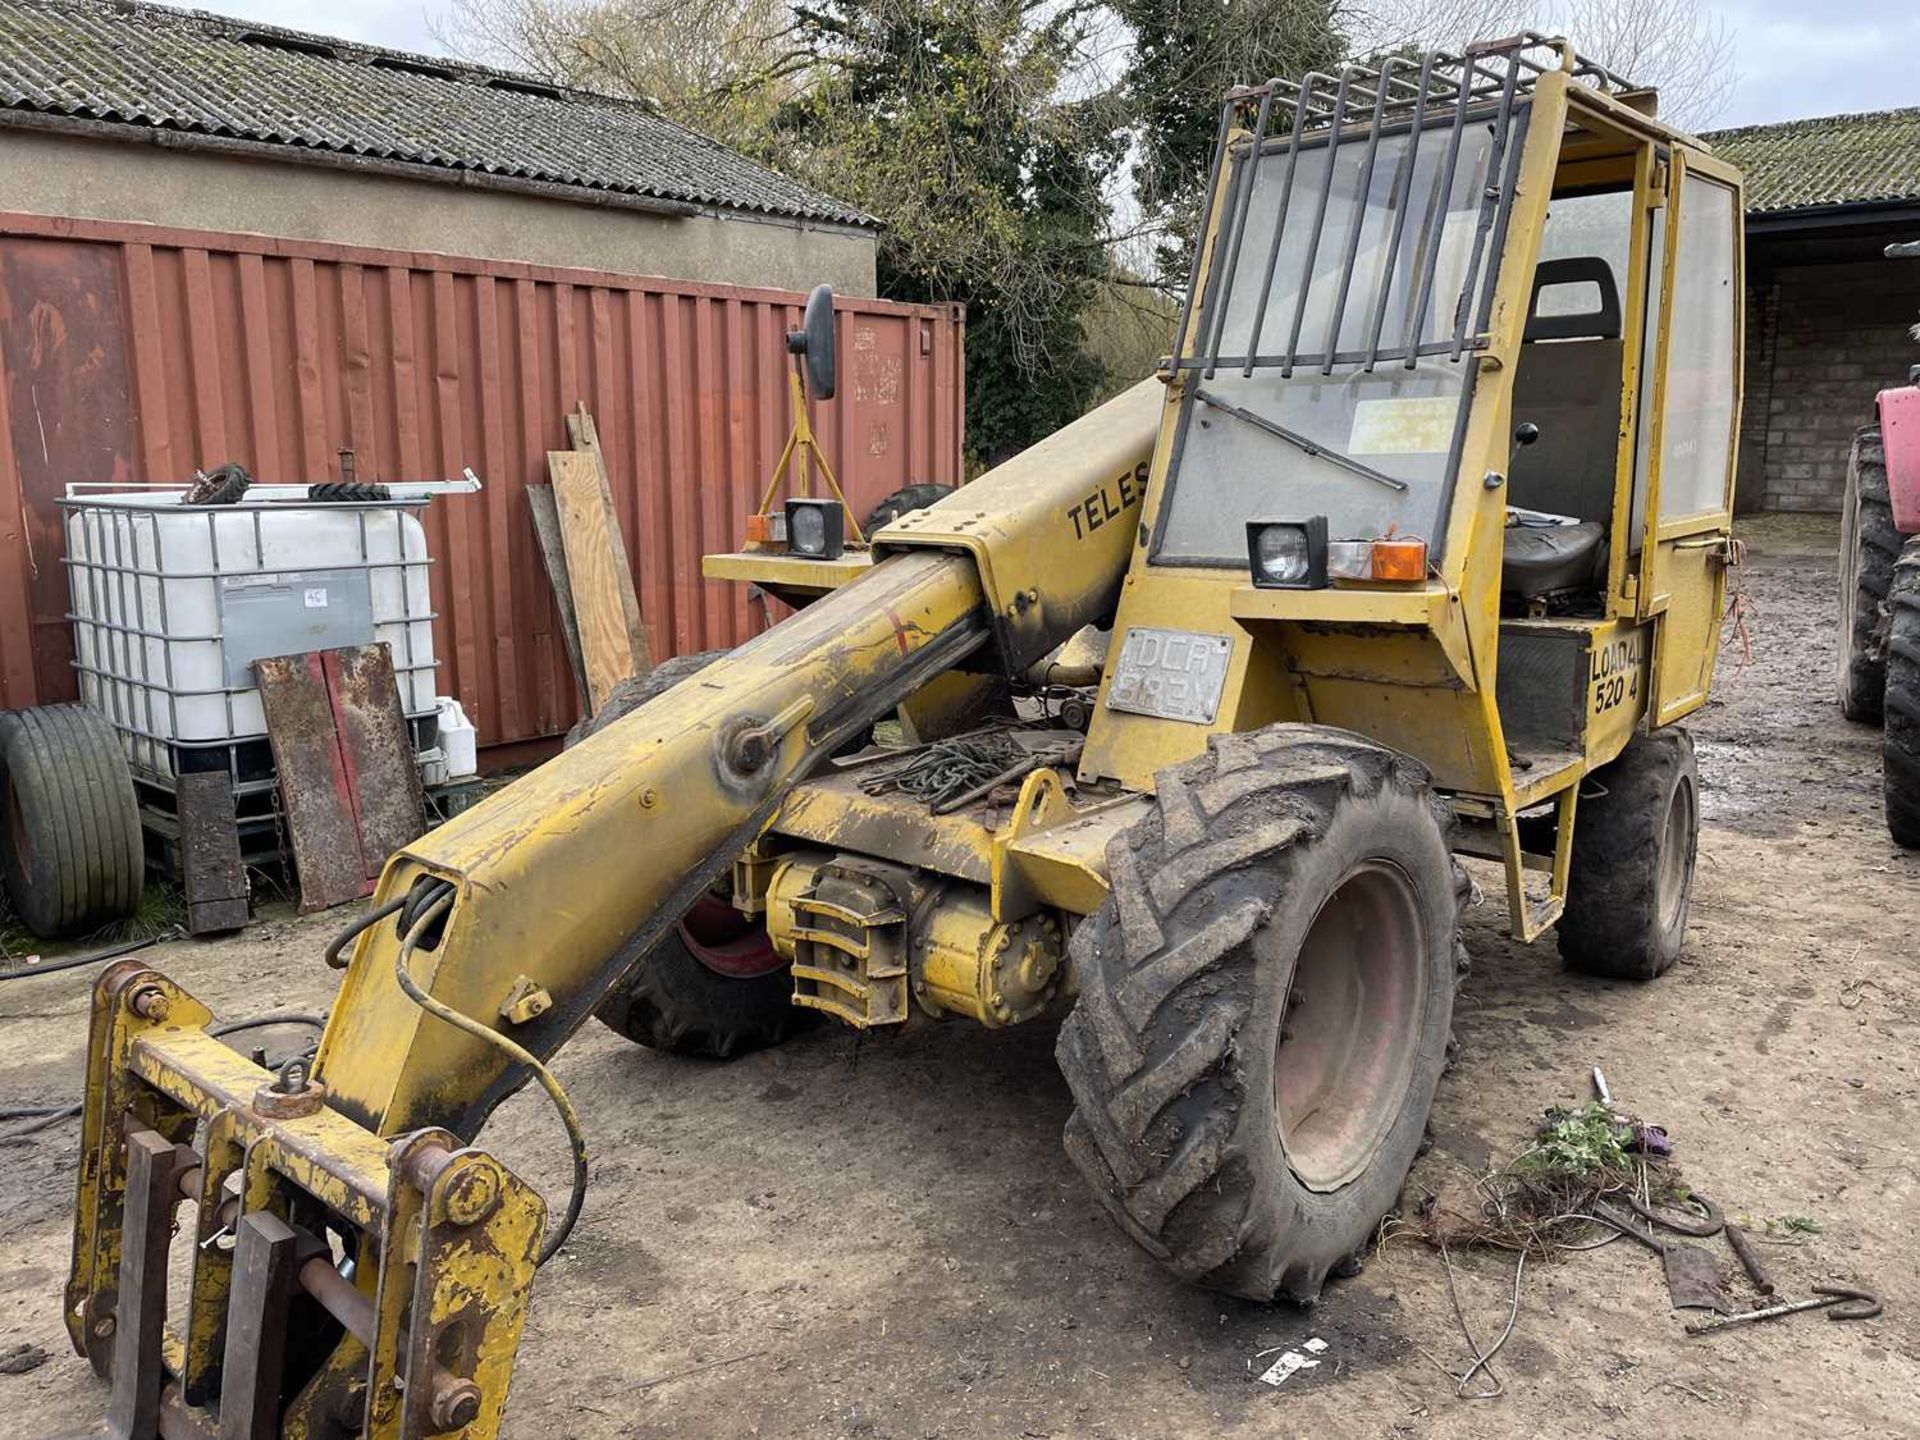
1869, 544
1636, 835
713, 986
1900, 746
911, 497
1265, 1007
73, 857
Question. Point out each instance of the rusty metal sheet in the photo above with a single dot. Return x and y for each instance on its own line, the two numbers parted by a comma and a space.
216, 880
314, 790
138, 352
376, 748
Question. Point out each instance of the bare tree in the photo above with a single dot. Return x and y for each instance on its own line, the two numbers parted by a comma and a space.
1681, 47
720, 66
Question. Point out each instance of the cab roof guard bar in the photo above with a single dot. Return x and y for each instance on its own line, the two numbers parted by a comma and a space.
1353, 107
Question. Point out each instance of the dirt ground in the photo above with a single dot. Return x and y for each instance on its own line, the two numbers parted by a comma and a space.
882, 1237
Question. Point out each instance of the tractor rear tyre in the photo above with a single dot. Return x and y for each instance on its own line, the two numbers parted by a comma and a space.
713, 986
1900, 746
1869, 545
910, 497
73, 855
1636, 835
1266, 1002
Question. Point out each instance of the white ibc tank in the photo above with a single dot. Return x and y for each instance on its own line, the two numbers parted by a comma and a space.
172, 604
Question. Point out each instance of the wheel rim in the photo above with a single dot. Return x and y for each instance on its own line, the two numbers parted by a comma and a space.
1355, 1008
727, 942
1676, 857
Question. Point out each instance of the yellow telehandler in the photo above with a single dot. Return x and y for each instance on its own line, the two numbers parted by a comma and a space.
1415, 548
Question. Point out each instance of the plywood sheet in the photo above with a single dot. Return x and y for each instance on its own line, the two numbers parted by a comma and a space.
603, 598
584, 434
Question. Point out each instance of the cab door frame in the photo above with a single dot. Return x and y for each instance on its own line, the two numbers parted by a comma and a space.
1686, 556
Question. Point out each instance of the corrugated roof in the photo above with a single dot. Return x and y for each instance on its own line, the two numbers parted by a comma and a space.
184, 70
1835, 160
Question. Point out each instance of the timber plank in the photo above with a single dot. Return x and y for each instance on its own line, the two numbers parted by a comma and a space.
216, 880
602, 585
545, 512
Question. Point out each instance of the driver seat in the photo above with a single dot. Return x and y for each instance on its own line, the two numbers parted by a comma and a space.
1537, 560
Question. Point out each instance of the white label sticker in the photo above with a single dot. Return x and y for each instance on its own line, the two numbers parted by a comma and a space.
316, 599
1404, 425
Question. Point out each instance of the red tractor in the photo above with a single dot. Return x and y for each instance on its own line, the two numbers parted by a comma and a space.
1879, 651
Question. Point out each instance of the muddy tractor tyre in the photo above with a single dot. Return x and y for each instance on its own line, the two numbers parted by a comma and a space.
1900, 745
1265, 1007
1636, 835
713, 986
1869, 545
910, 497
73, 856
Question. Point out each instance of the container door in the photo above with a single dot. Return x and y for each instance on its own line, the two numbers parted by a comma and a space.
1690, 496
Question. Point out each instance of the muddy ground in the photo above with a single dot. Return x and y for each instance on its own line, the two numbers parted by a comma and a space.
882, 1238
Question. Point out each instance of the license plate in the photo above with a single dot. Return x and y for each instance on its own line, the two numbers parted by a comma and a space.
1170, 674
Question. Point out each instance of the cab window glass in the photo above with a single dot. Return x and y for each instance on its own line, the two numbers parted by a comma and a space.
1697, 429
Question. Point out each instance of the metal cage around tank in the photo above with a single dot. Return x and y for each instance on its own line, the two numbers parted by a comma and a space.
166, 607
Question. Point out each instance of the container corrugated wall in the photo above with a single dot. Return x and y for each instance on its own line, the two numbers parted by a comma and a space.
136, 354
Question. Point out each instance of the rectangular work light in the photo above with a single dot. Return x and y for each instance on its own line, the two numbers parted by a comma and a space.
816, 529
1288, 554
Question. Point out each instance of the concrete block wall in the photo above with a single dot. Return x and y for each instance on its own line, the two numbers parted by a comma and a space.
1822, 340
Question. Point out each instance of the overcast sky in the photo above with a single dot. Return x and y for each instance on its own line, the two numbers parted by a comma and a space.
1794, 57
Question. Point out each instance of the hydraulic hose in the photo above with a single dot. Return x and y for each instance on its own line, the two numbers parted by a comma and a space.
433, 901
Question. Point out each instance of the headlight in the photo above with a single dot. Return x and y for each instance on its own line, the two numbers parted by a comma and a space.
1288, 554
816, 529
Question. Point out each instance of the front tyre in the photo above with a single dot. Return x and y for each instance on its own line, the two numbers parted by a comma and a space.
1636, 835
1265, 1005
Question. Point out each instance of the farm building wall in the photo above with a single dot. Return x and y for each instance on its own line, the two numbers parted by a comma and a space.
69, 172
1827, 330
136, 354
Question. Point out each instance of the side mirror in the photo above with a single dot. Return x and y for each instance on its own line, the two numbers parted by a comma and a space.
813, 342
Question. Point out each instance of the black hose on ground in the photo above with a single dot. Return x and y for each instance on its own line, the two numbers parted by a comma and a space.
91, 957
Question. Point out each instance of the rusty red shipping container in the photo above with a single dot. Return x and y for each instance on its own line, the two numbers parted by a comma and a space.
134, 354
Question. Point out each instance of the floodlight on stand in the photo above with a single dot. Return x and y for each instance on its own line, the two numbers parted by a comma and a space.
1288, 554
816, 529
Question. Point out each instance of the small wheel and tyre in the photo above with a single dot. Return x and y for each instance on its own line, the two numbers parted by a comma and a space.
1900, 745
713, 986
1265, 1008
1869, 544
73, 856
910, 497
347, 492
1636, 835
223, 485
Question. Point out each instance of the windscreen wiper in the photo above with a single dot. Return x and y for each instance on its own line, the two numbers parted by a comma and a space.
1299, 441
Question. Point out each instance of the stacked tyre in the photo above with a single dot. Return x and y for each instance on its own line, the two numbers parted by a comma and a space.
71, 849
